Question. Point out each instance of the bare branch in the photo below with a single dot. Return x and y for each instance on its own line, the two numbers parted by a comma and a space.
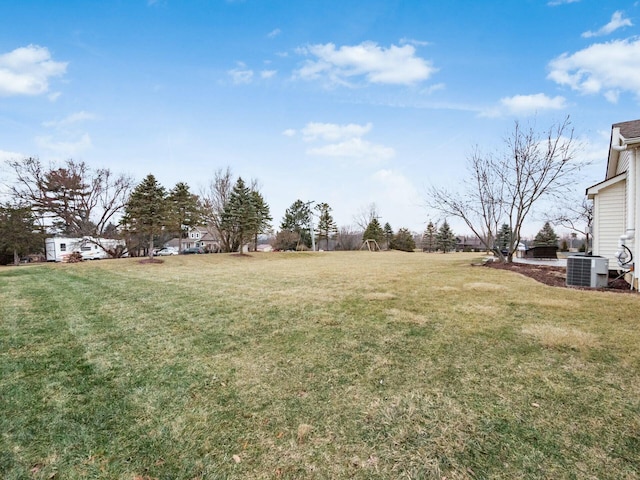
365, 215
532, 167
214, 200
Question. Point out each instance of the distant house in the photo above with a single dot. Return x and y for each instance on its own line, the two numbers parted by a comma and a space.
264, 247
616, 200
203, 237
469, 243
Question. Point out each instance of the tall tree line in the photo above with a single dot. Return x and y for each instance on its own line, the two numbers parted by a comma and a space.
235, 214
76, 200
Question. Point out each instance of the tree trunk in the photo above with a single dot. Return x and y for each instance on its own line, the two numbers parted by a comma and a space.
16, 258
151, 246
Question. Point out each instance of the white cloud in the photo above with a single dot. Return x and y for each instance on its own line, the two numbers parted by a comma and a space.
617, 21
7, 156
398, 194
274, 33
342, 141
27, 70
394, 65
524, 105
395, 181
554, 3
530, 104
241, 74
71, 119
332, 132
611, 68
433, 88
416, 43
65, 149
289, 132
354, 148
268, 73
612, 95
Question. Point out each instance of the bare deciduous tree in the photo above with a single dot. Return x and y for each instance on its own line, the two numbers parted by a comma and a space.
214, 200
348, 238
503, 189
576, 216
365, 215
73, 198
480, 205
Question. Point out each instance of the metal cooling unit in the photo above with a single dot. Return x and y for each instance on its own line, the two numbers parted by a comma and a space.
587, 271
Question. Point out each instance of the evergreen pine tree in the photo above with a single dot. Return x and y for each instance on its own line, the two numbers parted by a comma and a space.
240, 214
263, 215
326, 224
297, 218
373, 232
184, 210
429, 243
403, 240
445, 239
546, 236
388, 234
18, 231
146, 212
504, 237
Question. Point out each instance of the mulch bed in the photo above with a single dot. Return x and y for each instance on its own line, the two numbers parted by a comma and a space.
150, 260
554, 276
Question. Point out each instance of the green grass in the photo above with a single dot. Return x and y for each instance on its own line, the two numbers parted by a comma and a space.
316, 366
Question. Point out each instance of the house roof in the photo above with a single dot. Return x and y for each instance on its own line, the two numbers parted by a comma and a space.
628, 129
622, 133
207, 234
208, 237
595, 189
470, 240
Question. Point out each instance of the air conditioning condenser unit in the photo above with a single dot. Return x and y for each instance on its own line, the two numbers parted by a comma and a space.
587, 271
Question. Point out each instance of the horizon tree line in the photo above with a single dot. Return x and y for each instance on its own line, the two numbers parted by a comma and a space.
73, 199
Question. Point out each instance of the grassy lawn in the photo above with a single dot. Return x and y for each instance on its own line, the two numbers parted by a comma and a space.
313, 366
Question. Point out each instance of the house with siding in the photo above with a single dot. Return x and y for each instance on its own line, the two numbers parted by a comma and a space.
469, 243
616, 201
199, 236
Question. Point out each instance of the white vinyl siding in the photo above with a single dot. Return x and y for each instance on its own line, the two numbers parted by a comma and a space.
609, 221
623, 162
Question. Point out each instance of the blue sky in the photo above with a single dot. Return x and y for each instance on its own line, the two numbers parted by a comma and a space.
342, 102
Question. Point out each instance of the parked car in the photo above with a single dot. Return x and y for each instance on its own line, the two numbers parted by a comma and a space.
163, 252
192, 250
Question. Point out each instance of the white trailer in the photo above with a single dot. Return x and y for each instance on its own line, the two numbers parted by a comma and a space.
59, 249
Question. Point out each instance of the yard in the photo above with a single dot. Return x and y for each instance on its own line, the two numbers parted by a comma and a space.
313, 366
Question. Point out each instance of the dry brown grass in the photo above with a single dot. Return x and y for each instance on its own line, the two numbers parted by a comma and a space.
562, 337
314, 365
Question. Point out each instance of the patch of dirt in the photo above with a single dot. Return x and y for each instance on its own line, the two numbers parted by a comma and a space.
150, 260
554, 276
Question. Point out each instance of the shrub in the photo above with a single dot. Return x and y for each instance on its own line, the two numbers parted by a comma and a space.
75, 257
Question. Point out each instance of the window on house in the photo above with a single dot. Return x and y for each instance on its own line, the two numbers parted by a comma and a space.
63, 247
85, 248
